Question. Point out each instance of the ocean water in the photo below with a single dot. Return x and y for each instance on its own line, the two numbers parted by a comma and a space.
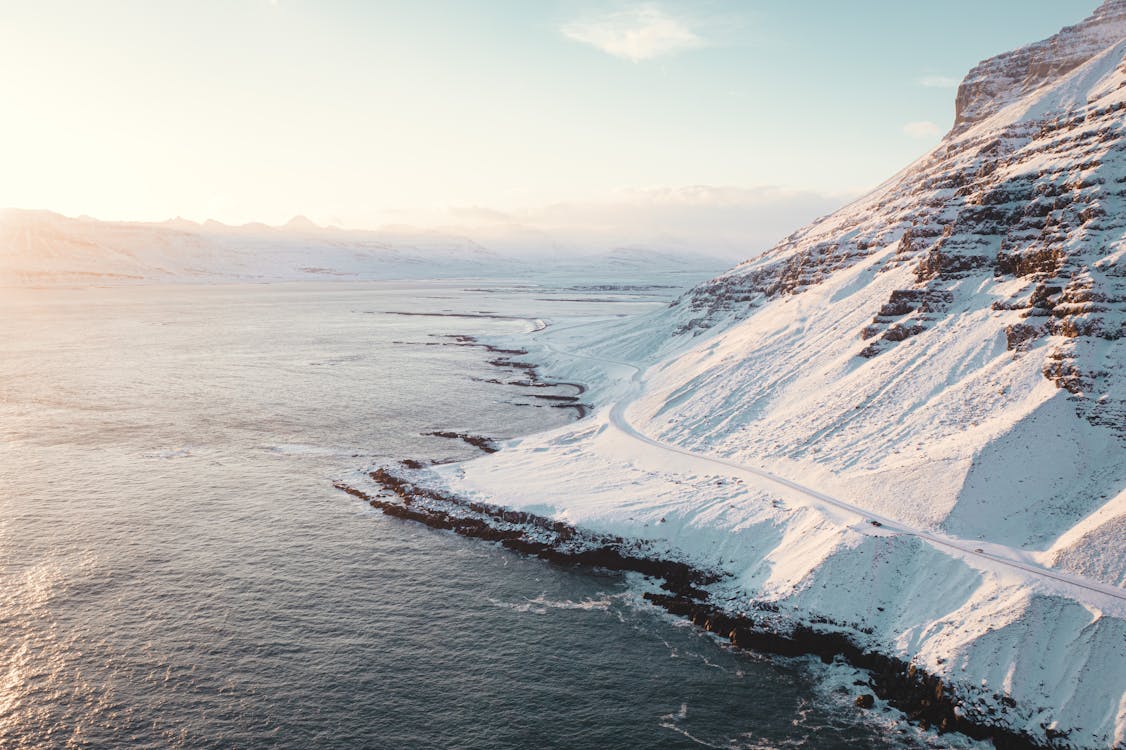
176, 569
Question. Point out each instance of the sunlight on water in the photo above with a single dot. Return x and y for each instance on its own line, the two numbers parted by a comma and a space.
176, 569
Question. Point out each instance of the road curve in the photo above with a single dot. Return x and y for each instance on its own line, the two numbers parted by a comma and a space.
620, 422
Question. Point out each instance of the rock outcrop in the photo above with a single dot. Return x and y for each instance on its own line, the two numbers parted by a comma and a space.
1005, 78
945, 356
1022, 207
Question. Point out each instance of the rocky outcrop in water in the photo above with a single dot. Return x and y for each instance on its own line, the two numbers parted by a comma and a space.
924, 699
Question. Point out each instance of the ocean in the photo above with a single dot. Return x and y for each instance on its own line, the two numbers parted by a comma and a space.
178, 571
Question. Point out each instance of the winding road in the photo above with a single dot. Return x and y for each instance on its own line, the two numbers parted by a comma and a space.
618, 420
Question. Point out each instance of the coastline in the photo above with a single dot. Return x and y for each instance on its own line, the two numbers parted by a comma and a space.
435, 495
922, 698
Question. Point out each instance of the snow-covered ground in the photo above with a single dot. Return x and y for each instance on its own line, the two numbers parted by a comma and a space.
981, 613
944, 358
909, 418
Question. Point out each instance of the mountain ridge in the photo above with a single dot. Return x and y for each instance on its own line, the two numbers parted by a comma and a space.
43, 247
1001, 79
1022, 195
945, 354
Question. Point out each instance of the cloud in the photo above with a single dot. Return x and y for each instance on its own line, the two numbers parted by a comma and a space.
642, 32
939, 82
923, 129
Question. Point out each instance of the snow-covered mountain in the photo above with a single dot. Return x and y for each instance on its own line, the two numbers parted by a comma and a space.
41, 247
908, 419
44, 247
930, 314
932, 311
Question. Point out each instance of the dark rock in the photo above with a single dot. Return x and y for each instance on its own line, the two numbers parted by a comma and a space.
922, 697
477, 441
1019, 334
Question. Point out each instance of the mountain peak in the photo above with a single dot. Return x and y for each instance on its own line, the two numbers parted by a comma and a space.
300, 223
1001, 80
1110, 7
180, 222
1015, 215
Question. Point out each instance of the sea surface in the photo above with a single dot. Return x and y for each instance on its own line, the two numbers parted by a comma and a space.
177, 570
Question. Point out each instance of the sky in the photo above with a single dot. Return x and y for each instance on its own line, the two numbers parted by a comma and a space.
729, 121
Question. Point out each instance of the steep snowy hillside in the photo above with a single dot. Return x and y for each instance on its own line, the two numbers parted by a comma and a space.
916, 326
907, 422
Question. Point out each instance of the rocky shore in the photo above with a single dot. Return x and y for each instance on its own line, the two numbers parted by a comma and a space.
518, 373
925, 699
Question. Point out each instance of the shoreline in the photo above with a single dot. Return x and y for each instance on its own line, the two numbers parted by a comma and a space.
924, 699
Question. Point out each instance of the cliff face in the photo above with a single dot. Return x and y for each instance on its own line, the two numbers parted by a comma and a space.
950, 350
907, 422
1022, 208
1002, 80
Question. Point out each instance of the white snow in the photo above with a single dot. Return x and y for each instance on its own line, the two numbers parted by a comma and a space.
740, 429
757, 442
969, 609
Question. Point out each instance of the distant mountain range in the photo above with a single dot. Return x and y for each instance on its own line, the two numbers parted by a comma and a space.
42, 247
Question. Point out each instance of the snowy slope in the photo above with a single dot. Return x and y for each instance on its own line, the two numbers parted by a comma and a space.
947, 331
944, 356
